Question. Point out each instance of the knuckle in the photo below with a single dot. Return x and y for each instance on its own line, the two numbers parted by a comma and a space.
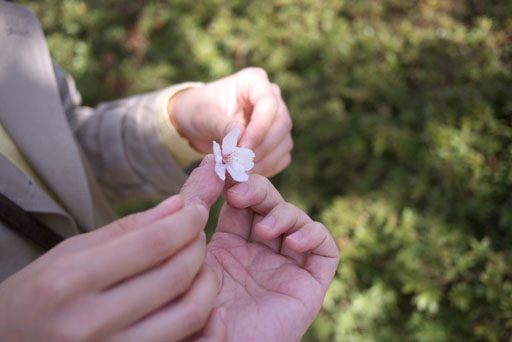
181, 280
287, 207
288, 159
128, 223
285, 161
319, 227
46, 286
53, 283
260, 72
180, 283
289, 144
70, 242
199, 216
62, 332
157, 240
288, 123
275, 103
182, 277
327, 238
277, 89
70, 329
260, 186
319, 224
333, 247
123, 224
257, 181
77, 279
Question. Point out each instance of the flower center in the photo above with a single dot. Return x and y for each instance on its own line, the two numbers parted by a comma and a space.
227, 158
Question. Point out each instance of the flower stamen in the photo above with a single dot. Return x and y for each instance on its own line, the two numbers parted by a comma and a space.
226, 159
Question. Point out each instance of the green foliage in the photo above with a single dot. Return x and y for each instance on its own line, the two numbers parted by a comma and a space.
403, 136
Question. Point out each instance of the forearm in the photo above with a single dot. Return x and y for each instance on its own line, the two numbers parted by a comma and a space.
126, 143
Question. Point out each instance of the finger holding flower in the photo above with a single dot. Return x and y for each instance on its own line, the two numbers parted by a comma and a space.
246, 100
274, 262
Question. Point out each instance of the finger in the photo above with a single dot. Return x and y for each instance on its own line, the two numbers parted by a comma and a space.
285, 218
216, 125
229, 181
142, 249
267, 166
276, 89
280, 166
234, 221
126, 224
265, 105
257, 193
279, 130
135, 298
274, 243
215, 330
323, 258
203, 186
120, 227
178, 319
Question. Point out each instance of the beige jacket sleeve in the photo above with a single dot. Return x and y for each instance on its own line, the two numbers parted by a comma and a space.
128, 148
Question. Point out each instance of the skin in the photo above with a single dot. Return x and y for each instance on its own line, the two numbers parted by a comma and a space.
274, 262
139, 278
145, 277
247, 100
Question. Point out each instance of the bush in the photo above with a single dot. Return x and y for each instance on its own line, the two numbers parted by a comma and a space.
403, 136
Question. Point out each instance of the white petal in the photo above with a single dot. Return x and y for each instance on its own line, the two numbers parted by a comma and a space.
245, 157
237, 171
220, 170
216, 152
229, 141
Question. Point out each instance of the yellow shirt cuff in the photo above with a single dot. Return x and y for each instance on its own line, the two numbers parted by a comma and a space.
178, 146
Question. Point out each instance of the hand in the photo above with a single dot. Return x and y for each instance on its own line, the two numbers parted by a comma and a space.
274, 262
141, 278
246, 100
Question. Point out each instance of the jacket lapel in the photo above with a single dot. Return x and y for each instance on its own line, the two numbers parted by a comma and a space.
32, 113
23, 191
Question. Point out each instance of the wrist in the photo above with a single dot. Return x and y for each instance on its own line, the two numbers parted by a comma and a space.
173, 111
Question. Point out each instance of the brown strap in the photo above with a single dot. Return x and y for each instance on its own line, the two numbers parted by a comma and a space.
22, 222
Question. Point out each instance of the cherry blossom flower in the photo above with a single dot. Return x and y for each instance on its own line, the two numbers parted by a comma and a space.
237, 160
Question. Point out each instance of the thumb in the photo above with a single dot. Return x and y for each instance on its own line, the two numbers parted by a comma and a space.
203, 185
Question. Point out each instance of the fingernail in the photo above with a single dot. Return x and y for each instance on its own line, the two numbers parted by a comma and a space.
239, 189
297, 236
269, 222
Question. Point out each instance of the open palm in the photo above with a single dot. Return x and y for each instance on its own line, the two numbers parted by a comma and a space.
273, 281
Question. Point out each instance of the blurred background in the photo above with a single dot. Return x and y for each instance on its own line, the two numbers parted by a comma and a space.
403, 137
